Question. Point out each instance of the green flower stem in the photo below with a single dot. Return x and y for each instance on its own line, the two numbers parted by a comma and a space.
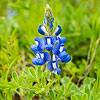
48, 10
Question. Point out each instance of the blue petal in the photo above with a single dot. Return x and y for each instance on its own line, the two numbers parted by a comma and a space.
62, 44
41, 31
34, 48
48, 19
52, 19
58, 71
64, 49
34, 61
52, 40
51, 25
37, 61
62, 55
47, 56
67, 59
49, 47
49, 66
56, 49
41, 42
58, 31
62, 40
44, 21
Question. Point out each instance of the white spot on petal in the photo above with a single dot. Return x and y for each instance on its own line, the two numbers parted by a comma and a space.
54, 65
37, 55
42, 56
43, 28
55, 30
48, 41
61, 48
36, 42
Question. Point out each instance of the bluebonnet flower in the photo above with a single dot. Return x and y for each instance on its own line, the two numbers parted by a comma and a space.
58, 48
53, 66
39, 45
57, 31
52, 43
60, 39
41, 58
49, 42
42, 30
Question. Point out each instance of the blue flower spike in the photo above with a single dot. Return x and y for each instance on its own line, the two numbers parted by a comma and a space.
52, 42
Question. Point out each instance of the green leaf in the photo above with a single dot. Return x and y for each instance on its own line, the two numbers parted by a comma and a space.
64, 80
40, 91
75, 89
9, 95
32, 71
87, 81
59, 95
84, 97
87, 90
10, 66
68, 94
39, 73
73, 97
43, 81
15, 77
78, 96
3, 86
20, 80
26, 69
50, 83
69, 84
51, 94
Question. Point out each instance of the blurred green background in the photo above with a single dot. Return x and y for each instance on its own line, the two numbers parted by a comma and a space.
80, 22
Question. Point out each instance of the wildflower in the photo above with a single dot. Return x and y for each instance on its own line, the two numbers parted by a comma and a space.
52, 43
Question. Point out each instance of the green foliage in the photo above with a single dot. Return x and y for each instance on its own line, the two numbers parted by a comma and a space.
80, 78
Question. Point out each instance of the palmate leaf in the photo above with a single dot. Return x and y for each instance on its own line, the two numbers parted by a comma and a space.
31, 74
